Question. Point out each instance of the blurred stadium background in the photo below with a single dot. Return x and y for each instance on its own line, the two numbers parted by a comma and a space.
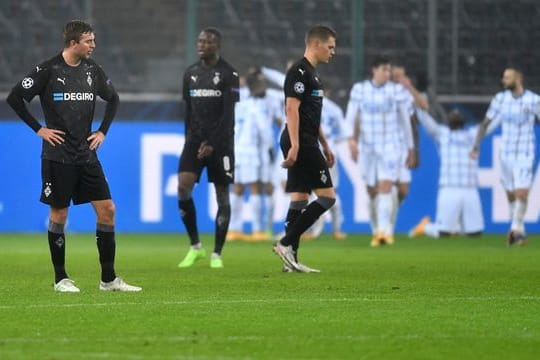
458, 47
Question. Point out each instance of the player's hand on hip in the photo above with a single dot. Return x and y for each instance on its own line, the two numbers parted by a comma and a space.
205, 150
52, 136
292, 155
96, 139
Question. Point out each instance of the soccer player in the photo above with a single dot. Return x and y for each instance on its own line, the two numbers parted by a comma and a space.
254, 154
377, 113
307, 167
68, 85
210, 91
515, 108
459, 210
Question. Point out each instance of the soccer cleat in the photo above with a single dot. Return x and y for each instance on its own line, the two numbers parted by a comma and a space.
301, 269
216, 263
388, 240
338, 235
375, 241
418, 229
286, 255
235, 236
516, 238
192, 256
66, 285
259, 236
117, 285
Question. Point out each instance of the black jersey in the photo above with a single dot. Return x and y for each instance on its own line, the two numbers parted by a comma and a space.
302, 82
210, 95
68, 96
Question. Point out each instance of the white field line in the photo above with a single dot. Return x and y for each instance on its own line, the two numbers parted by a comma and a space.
271, 301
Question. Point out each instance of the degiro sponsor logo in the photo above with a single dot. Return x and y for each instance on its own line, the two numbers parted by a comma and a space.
204, 93
58, 96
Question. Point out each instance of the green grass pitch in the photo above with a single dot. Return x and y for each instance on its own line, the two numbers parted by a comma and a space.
456, 298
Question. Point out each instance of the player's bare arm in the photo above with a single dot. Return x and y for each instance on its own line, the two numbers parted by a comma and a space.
293, 125
353, 142
482, 129
327, 151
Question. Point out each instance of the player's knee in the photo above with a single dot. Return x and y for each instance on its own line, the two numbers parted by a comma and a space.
326, 202
106, 213
58, 216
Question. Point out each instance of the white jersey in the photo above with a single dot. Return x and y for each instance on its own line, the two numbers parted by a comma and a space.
517, 116
332, 122
383, 114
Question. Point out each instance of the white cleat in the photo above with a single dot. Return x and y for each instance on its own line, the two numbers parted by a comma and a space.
286, 254
117, 285
301, 268
66, 285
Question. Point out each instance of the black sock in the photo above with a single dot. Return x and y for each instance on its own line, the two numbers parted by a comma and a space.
189, 217
107, 248
305, 220
57, 247
223, 219
295, 210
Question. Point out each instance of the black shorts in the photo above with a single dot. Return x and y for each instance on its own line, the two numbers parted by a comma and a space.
62, 183
220, 165
309, 172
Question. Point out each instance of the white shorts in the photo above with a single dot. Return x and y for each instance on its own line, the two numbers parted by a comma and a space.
459, 210
404, 173
376, 167
250, 169
516, 173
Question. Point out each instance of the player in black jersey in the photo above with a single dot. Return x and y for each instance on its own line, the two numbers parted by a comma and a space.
307, 167
210, 91
68, 85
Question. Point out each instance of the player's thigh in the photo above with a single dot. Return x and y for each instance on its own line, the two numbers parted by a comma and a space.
220, 168
448, 209
58, 183
522, 173
368, 168
246, 171
189, 163
473, 218
314, 168
92, 185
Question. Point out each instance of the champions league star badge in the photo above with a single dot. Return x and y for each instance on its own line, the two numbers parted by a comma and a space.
216, 78
89, 79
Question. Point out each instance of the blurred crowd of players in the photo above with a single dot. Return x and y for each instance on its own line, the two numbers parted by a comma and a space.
380, 125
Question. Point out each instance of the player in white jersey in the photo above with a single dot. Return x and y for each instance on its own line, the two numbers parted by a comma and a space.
254, 143
517, 109
459, 210
376, 114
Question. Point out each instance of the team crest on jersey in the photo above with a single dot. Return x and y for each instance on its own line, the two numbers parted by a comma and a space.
216, 79
299, 88
89, 78
27, 82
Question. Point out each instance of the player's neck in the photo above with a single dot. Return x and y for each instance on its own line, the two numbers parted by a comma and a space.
518, 90
70, 58
210, 62
311, 58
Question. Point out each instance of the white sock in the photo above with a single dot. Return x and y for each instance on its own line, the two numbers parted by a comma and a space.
215, 255
336, 212
269, 207
384, 211
511, 206
237, 203
256, 211
372, 204
520, 207
432, 230
395, 206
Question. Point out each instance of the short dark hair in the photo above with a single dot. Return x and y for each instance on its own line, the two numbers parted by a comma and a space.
214, 31
74, 30
380, 60
321, 32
